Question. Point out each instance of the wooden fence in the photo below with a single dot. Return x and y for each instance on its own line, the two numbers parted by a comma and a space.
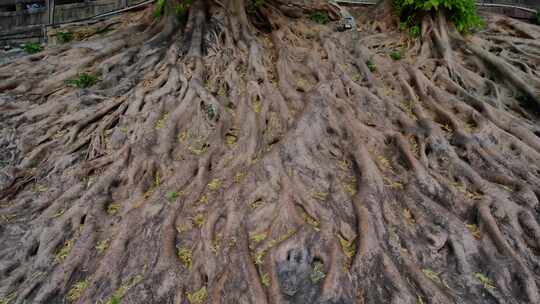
14, 24
23, 26
49, 12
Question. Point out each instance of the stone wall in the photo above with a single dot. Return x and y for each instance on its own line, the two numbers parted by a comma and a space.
71, 12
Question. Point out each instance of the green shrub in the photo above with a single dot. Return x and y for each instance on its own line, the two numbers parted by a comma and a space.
83, 80
538, 17
160, 9
181, 9
462, 13
371, 66
414, 31
64, 37
396, 55
32, 47
320, 17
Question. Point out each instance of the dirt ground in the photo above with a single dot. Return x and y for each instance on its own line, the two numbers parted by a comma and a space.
253, 157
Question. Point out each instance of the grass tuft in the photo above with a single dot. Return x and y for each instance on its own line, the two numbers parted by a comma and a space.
321, 17
61, 255
347, 246
371, 66
487, 282
32, 48
317, 273
83, 81
63, 37
396, 55
257, 237
113, 209
122, 290
9, 298
198, 297
215, 184
77, 290
198, 220
265, 279
160, 9
311, 221
102, 246
185, 256
172, 196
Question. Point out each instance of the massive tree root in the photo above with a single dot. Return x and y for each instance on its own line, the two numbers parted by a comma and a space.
247, 157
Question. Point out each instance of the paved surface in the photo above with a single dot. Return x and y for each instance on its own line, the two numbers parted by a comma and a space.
8, 55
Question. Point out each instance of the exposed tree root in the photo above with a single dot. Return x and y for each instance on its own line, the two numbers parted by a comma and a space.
224, 163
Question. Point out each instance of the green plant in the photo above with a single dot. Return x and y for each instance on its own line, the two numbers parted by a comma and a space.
311, 221
83, 80
123, 289
172, 196
265, 279
113, 208
214, 184
258, 257
396, 55
317, 273
8, 298
181, 9
257, 237
258, 3
198, 220
32, 47
537, 19
160, 9
102, 246
113, 300
432, 275
402, 26
185, 256
348, 246
77, 290
198, 297
371, 66
462, 13
320, 17
64, 37
414, 31
64, 251
160, 123
488, 283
